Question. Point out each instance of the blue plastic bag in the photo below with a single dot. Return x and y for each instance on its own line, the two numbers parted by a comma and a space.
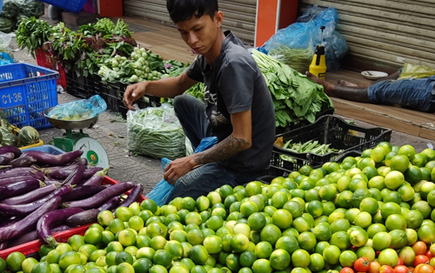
161, 192
5, 59
306, 34
79, 109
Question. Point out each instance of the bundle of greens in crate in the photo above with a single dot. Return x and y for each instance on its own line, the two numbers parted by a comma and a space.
295, 97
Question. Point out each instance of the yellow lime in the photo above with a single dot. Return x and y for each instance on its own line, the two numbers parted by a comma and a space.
28, 264
124, 257
69, 258
151, 205
41, 267
198, 254
123, 213
124, 268
14, 260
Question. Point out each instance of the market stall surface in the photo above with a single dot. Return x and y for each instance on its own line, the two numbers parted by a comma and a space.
111, 129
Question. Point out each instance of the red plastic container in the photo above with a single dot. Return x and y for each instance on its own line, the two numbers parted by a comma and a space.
46, 60
61, 236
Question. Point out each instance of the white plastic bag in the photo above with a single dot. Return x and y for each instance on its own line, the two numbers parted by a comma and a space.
156, 132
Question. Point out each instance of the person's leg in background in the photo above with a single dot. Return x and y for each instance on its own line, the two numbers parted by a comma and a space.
191, 113
345, 90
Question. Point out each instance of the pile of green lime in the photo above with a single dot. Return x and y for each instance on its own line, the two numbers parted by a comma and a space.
379, 207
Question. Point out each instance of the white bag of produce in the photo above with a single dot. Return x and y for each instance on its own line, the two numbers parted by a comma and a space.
156, 132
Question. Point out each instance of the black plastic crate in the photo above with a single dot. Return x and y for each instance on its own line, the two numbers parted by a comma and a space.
113, 94
303, 122
82, 87
328, 129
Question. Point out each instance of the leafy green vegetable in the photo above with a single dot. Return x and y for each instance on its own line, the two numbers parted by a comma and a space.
143, 65
294, 96
32, 34
297, 58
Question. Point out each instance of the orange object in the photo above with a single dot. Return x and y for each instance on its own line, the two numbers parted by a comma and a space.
110, 8
273, 15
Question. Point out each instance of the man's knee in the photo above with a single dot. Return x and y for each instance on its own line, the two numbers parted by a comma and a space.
181, 101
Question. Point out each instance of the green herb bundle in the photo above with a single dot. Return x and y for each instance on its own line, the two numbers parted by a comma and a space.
295, 97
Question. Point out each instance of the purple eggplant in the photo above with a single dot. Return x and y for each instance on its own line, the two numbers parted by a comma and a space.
81, 192
111, 204
20, 187
83, 218
81, 160
97, 178
14, 172
31, 195
10, 149
132, 196
76, 176
54, 160
4, 245
25, 209
51, 219
60, 172
26, 224
22, 161
33, 235
6, 158
13, 179
101, 197
9, 220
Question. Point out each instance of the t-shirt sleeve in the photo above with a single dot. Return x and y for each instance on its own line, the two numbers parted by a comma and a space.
236, 85
194, 71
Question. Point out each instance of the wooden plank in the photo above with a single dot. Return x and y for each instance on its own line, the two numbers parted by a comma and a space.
398, 119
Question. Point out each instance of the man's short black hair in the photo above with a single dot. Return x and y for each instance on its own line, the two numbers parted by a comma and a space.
182, 10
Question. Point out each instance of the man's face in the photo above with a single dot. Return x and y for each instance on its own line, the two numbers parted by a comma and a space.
201, 34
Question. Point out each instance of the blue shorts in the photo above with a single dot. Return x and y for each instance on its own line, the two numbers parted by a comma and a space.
418, 94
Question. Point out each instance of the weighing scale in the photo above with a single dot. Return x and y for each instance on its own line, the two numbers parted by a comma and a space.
93, 151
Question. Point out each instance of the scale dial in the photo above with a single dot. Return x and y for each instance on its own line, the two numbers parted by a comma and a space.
92, 151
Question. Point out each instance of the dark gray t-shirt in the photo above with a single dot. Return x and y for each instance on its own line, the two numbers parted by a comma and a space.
235, 84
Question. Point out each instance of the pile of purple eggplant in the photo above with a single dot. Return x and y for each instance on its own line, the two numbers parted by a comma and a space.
41, 193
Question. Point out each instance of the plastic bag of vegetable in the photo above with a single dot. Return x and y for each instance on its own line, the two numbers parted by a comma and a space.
156, 132
5, 59
161, 192
294, 44
30, 7
79, 109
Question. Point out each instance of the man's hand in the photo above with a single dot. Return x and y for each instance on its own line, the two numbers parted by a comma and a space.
132, 93
178, 168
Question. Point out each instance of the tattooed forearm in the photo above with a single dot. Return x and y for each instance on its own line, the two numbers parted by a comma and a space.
225, 149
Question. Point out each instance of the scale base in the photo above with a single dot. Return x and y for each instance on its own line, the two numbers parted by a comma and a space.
93, 151
67, 142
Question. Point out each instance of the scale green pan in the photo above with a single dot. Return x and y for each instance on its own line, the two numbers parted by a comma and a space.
93, 151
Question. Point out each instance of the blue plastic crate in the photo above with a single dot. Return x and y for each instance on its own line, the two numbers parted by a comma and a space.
69, 5
25, 92
49, 149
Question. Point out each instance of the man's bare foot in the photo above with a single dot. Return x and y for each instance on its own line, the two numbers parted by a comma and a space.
328, 87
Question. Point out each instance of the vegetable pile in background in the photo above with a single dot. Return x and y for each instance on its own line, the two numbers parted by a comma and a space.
12, 136
13, 11
34, 184
81, 50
